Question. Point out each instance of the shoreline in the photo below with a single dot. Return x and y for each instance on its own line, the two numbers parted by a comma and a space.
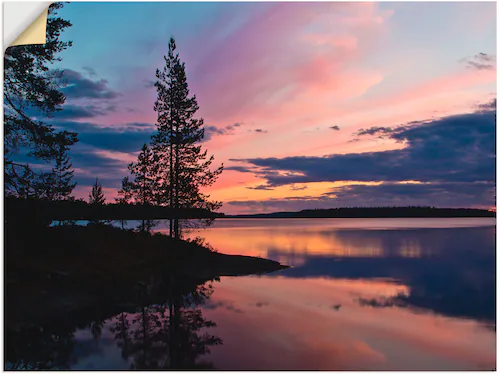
344, 217
57, 270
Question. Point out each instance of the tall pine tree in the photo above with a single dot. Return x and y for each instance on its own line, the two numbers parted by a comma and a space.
184, 168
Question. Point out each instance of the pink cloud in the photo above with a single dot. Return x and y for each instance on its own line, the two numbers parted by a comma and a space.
457, 81
275, 52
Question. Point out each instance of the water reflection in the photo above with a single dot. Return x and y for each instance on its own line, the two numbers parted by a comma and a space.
449, 270
164, 338
280, 323
332, 237
39, 347
384, 297
171, 334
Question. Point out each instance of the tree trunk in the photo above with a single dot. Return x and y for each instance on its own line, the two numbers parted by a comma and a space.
175, 173
171, 184
176, 221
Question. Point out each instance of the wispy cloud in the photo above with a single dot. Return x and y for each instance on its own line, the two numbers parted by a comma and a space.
481, 61
211, 131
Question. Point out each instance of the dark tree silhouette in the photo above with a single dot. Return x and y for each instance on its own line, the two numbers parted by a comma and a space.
30, 85
143, 188
96, 200
96, 197
184, 166
125, 194
124, 197
62, 171
23, 182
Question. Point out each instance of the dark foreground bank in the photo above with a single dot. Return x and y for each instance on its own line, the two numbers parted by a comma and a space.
60, 280
57, 270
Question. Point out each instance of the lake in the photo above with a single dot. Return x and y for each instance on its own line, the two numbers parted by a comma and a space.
361, 294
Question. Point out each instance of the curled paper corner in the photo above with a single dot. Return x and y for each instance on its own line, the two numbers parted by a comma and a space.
36, 33
28, 21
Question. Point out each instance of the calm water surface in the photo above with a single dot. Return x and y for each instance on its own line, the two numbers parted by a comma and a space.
361, 294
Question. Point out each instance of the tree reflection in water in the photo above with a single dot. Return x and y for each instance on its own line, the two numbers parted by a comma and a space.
35, 347
151, 335
168, 336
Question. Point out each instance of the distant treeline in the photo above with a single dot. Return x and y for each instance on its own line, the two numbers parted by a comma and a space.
378, 212
18, 209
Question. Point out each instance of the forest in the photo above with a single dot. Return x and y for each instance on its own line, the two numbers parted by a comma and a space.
377, 212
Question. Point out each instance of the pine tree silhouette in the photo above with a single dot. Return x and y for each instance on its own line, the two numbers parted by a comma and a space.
96, 200
96, 197
143, 187
62, 170
185, 167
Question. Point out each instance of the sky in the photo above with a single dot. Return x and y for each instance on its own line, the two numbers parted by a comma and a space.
307, 105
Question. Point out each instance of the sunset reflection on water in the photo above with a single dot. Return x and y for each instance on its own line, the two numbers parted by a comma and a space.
328, 237
414, 275
292, 324
392, 294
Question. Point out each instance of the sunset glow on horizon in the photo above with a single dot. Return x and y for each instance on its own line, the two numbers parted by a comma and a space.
307, 105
